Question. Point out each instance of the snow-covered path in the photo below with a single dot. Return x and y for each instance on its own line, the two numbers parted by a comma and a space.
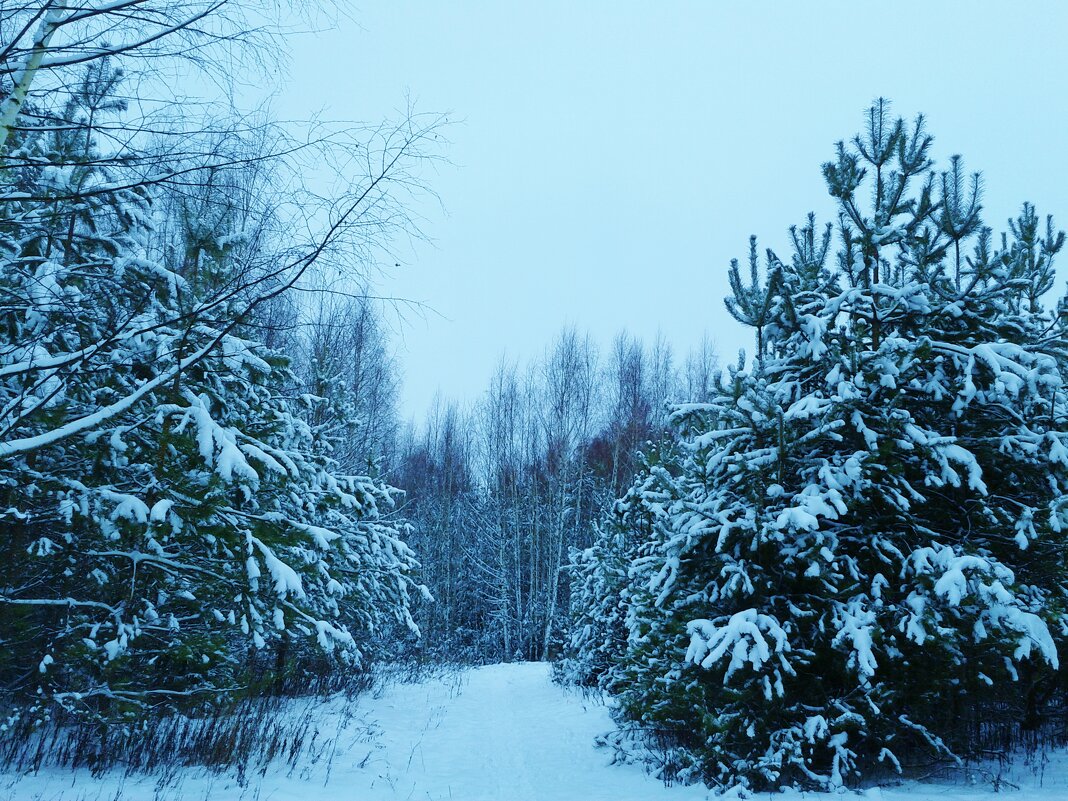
501, 732
496, 733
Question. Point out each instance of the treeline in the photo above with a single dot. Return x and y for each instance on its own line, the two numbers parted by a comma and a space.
499, 494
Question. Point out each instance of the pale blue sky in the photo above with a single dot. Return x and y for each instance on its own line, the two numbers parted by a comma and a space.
612, 157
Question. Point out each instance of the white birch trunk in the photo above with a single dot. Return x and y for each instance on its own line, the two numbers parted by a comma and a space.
23, 77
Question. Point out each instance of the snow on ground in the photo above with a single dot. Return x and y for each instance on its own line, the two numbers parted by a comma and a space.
496, 733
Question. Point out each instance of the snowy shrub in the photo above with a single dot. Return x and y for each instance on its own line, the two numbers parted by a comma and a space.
858, 558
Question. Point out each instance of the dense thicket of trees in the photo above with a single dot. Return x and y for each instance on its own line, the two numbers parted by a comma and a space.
851, 559
500, 494
186, 508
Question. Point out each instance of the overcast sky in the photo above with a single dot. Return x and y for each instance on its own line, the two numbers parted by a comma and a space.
611, 158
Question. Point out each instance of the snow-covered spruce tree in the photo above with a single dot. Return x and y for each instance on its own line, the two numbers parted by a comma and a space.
603, 577
862, 561
171, 523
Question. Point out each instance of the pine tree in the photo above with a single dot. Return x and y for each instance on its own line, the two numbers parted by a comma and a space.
174, 528
861, 560
605, 577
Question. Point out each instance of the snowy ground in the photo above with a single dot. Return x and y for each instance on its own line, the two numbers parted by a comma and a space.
497, 733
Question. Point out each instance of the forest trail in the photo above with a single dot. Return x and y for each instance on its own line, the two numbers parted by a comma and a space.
494, 733
501, 732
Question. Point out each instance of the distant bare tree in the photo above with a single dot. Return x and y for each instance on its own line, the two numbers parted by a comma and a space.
344, 358
701, 367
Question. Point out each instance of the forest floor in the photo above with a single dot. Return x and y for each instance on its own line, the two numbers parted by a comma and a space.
495, 733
